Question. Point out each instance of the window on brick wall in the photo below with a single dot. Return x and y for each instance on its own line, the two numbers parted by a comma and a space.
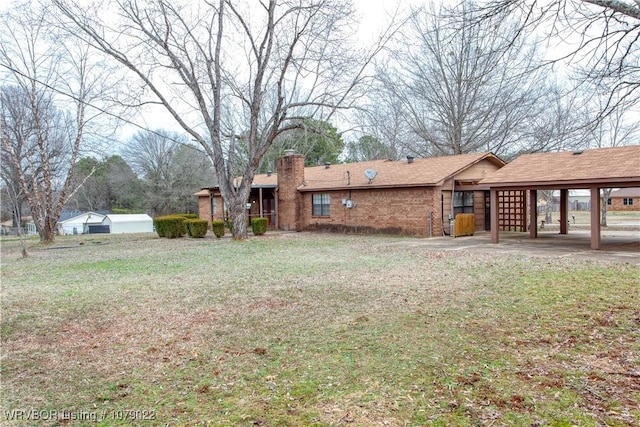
321, 205
214, 206
609, 202
462, 202
627, 201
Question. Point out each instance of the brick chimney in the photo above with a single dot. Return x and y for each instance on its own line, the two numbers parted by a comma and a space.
290, 177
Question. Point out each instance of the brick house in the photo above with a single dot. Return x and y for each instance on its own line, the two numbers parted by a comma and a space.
408, 197
625, 199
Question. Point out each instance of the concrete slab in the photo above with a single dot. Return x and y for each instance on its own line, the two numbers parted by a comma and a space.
617, 246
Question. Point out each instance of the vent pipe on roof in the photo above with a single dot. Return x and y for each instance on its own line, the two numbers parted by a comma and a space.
577, 152
409, 159
269, 173
326, 165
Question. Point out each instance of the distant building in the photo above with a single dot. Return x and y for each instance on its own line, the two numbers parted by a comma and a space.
79, 223
625, 199
128, 223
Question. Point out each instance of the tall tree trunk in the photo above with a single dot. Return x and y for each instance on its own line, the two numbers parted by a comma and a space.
239, 218
47, 233
604, 200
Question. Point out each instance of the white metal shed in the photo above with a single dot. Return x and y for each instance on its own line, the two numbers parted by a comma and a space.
79, 223
129, 223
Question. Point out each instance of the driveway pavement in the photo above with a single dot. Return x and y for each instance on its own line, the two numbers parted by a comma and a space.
617, 246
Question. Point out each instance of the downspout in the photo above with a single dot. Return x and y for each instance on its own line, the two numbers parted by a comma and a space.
453, 189
444, 229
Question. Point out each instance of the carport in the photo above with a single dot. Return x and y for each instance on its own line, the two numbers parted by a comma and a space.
615, 167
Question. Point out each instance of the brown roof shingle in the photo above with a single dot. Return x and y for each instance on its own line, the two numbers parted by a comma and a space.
602, 165
264, 180
422, 172
626, 192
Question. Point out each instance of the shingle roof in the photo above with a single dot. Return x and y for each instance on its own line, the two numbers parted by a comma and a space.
264, 180
202, 193
95, 216
626, 192
603, 165
422, 172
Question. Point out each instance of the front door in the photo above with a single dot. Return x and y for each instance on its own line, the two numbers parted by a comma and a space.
269, 212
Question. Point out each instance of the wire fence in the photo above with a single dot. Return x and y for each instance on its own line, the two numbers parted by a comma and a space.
16, 231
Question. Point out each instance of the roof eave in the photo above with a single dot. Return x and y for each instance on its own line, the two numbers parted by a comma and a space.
566, 184
303, 189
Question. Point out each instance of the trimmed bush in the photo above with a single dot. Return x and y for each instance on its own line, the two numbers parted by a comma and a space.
196, 227
187, 215
169, 226
217, 226
158, 226
259, 226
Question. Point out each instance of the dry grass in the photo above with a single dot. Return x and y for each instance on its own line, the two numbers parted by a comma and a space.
300, 329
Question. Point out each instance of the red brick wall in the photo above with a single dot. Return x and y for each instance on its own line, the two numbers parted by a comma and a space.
290, 177
390, 211
204, 208
617, 204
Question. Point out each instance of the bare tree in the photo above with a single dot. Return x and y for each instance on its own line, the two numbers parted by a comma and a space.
561, 125
618, 128
35, 148
368, 148
383, 117
465, 88
225, 69
600, 38
170, 169
42, 131
12, 122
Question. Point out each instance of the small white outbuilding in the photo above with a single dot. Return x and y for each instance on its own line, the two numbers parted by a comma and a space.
128, 223
79, 224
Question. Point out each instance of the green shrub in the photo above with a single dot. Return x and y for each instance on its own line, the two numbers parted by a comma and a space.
217, 226
159, 225
187, 215
169, 226
259, 226
196, 227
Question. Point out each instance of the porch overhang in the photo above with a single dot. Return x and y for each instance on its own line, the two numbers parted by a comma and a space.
617, 167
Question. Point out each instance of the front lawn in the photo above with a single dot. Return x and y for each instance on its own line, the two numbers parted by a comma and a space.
303, 329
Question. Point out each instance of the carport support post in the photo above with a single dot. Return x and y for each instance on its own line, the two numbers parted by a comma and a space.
595, 218
564, 218
533, 214
495, 232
